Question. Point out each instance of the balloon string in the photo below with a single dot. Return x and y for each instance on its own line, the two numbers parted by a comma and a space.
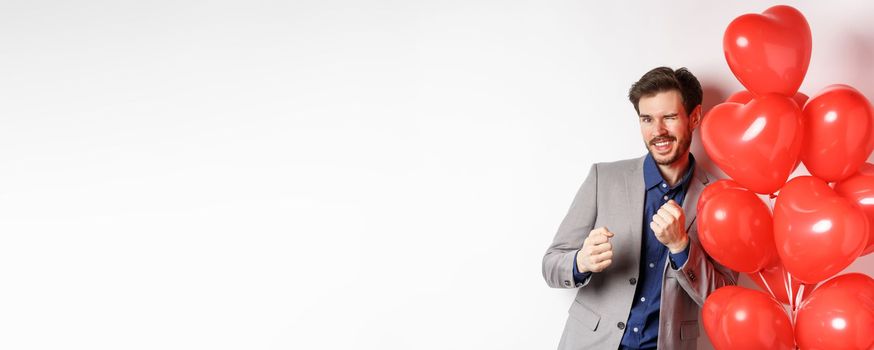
797, 302
792, 298
800, 293
786, 289
792, 303
787, 280
765, 282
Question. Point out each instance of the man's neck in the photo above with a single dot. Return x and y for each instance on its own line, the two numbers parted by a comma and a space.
673, 173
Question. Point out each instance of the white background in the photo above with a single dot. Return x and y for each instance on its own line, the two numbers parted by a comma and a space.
327, 174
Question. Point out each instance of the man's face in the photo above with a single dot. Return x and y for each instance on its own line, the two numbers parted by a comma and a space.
665, 126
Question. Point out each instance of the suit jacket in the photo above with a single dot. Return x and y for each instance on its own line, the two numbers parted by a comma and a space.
613, 196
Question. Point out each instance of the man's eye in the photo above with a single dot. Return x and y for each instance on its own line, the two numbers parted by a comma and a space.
646, 120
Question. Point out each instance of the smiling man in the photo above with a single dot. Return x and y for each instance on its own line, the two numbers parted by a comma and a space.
628, 242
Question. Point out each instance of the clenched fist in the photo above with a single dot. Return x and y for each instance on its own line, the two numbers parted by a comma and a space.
668, 224
597, 252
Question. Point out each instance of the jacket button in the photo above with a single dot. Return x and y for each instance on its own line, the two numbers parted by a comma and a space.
567, 283
633, 281
621, 325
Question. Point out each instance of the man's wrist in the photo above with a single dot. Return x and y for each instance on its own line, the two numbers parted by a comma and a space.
580, 266
680, 246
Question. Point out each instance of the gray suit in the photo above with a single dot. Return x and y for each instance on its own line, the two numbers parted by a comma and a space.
613, 196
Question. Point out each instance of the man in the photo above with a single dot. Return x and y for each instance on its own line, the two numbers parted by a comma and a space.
629, 241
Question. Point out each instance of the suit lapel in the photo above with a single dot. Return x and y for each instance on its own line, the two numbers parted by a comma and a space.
690, 203
635, 192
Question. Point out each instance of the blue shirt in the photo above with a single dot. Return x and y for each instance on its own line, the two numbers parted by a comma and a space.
642, 328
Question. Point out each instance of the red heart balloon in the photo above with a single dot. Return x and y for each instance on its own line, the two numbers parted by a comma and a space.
776, 277
744, 96
769, 53
758, 143
736, 230
838, 132
714, 188
818, 233
859, 188
838, 315
752, 320
711, 314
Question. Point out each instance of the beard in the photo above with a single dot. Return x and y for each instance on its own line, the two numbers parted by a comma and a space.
683, 145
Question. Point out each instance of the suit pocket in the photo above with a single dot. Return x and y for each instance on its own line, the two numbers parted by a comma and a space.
584, 315
688, 330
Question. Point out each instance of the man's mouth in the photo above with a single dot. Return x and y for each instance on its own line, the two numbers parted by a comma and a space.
662, 144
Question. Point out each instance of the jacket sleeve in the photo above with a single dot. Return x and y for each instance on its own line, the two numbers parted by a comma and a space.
700, 275
558, 262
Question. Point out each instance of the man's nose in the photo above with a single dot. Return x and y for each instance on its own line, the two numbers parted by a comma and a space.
659, 127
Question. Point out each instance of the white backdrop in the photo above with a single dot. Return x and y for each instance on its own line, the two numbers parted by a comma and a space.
327, 174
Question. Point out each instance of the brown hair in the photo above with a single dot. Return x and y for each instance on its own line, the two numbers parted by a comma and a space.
665, 79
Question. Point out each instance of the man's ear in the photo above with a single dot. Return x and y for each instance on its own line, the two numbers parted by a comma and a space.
696, 116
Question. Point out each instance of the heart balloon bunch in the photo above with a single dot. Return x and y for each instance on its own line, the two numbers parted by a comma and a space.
820, 223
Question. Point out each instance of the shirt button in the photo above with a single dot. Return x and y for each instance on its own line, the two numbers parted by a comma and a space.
620, 325
665, 197
635, 329
632, 281
664, 185
651, 265
643, 299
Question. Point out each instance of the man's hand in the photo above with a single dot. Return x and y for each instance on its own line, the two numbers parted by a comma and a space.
597, 252
668, 224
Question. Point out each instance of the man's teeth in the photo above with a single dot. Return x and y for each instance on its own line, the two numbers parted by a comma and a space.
660, 144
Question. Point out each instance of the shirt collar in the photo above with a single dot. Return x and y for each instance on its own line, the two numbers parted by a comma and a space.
652, 177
